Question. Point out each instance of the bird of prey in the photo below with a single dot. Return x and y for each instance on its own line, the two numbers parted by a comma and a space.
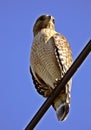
50, 59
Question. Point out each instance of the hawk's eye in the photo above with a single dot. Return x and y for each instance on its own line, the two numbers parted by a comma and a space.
42, 18
53, 20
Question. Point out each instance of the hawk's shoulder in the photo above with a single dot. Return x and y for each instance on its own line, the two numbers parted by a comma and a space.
62, 50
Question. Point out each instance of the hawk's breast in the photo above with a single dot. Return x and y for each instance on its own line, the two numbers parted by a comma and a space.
43, 58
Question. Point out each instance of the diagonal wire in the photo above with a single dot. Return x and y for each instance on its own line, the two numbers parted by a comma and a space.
76, 64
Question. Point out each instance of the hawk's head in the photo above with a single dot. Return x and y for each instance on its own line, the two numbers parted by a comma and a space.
44, 21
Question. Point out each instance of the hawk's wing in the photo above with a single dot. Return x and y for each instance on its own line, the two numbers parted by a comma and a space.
62, 52
42, 88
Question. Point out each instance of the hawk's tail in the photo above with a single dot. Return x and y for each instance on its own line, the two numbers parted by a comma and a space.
62, 111
62, 104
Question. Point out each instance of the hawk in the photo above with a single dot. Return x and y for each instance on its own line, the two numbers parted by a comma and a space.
50, 59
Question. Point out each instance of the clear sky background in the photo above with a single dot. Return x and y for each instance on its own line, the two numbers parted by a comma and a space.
19, 100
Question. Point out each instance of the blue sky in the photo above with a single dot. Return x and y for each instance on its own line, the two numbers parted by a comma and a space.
19, 100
